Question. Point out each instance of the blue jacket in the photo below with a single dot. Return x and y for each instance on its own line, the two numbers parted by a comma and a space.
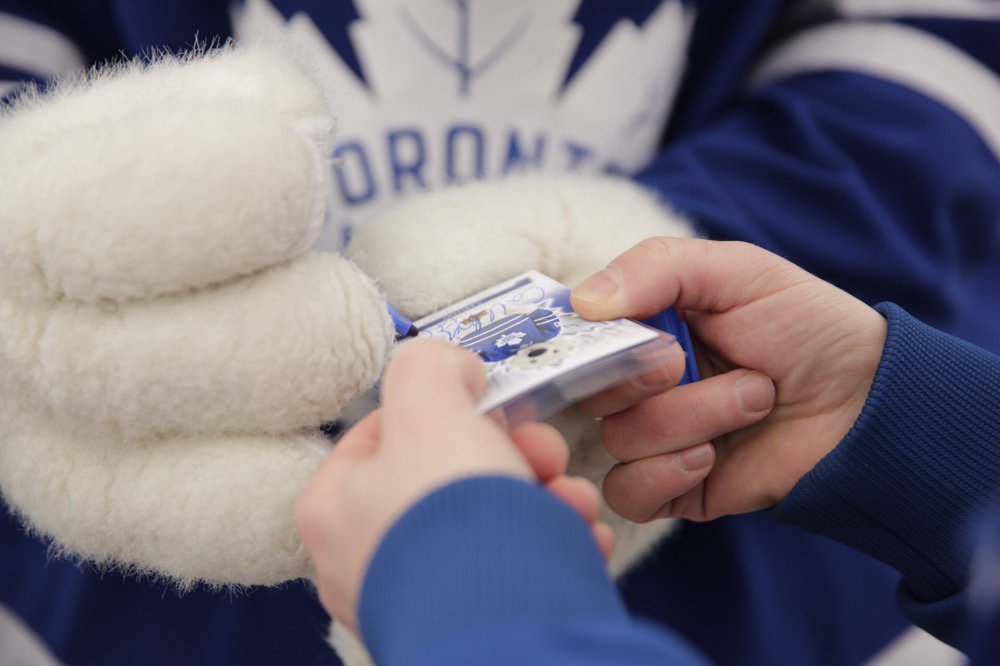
876, 171
512, 576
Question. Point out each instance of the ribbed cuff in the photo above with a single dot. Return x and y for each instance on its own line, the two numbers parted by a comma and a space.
476, 553
914, 477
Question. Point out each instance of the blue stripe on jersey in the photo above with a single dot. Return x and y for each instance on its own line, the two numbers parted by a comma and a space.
870, 185
11, 74
176, 29
727, 37
87, 23
978, 39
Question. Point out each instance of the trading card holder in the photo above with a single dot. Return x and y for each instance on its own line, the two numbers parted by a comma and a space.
565, 390
619, 351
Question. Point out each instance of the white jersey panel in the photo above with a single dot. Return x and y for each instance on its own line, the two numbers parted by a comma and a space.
474, 89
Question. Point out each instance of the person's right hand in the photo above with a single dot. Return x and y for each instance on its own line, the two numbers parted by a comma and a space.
427, 434
732, 443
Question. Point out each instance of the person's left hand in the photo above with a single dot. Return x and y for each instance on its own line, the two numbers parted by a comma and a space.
427, 434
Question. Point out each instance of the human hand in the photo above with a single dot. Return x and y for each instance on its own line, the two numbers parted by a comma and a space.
733, 442
418, 441
486, 232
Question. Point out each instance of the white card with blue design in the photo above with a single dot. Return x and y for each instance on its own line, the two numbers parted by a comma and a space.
540, 355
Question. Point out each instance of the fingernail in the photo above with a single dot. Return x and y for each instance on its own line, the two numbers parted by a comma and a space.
600, 286
755, 391
659, 374
696, 459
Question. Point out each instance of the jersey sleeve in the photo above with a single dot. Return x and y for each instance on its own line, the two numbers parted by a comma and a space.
42, 40
494, 570
45, 39
864, 146
917, 476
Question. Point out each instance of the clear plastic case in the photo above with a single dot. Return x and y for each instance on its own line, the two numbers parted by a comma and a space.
540, 355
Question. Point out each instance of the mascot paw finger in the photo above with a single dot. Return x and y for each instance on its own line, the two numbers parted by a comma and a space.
436, 248
216, 509
149, 179
285, 348
168, 346
483, 233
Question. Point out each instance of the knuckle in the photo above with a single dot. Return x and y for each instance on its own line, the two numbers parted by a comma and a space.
615, 433
700, 412
418, 356
688, 506
630, 491
402, 364
469, 361
660, 247
649, 250
646, 487
742, 247
614, 490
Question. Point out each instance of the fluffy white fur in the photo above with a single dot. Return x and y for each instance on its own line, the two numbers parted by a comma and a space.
165, 343
434, 249
166, 347
149, 179
285, 348
217, 509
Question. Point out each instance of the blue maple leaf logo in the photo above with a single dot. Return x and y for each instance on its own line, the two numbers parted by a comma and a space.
460, 58
509, 340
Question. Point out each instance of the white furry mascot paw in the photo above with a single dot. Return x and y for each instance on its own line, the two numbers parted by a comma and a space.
167, 345
437, 248
440, 247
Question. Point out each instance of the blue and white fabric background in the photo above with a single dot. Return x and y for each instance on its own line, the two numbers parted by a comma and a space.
858, 138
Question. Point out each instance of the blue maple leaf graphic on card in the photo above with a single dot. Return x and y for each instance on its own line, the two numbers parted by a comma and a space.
510, 340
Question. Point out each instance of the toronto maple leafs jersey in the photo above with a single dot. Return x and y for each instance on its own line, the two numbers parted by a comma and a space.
508, 335
858, 138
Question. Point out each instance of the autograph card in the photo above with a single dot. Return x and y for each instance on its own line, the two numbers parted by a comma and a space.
539, 354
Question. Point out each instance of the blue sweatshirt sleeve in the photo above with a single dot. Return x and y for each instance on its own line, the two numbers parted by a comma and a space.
41, 40
493, 570
919, 473
879, 187
855, 172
